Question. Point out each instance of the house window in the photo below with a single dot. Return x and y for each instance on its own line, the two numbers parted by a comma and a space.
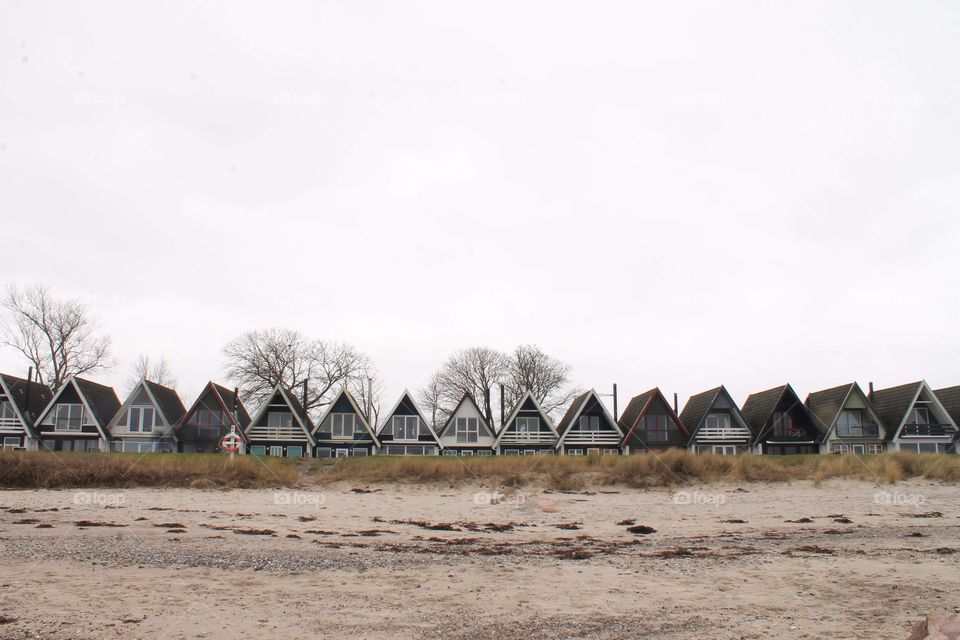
343, 453
359, 453
783, 425
343, 425
527, 426
449, 452
68, 417
142, 419
406, 427
468, 429
575, 452
656, 427
849, 423
593, 452
589, 423
324, 452
530, 452
859, 449
718, 421
7, 411
920, 415
294, 452
874, 448
258, 450
11, 442
841, 448
279, 420
276, 451
484, 452
466, 453
511, 452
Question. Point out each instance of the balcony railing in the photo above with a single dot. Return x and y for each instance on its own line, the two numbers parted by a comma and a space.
859, 431
529, 436
576, 435
723, 433
927, 430
9, 423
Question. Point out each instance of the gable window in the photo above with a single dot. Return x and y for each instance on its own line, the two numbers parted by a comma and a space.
68, 417
718, 421
589, 423
343, 425
208, 422
919, 415
849, 423
468, 430
7, 412
783, 425
142, 419
279, 420
527, 426
656, 427
406, 427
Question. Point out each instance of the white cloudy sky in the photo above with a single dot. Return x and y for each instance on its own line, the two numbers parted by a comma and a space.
659, 193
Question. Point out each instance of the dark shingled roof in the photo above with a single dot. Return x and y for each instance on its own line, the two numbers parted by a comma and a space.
635, 408
102, 399
572, 411
39, 397
949, 397
297, 408
760, 406
483, 421
697, 407
825, 405
891, 404
227, 395
169, 401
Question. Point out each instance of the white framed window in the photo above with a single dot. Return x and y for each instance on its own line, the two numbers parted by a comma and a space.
530, 452
874, 448
718, 421
575, 452
850, 423
589, 423
593, 451
343, 453
279, 420
484, 452
611, 452
342, 425
11, 442
449, 452
920, 415
859, 448
68, 417
324, 452
142, 419
511, 452
724, 450
468, 430
841, 448
466, 452
295, 452
527, 425
276, 451
406, 427
7, 412
359, 453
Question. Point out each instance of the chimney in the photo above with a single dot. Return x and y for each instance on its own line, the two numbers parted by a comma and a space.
676, 403
503, 405
304, 400
26, 400
871, 392
615, 416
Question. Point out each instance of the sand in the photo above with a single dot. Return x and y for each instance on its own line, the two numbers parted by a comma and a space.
428, 562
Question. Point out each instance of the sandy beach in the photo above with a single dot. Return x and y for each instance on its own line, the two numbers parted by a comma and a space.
847, 559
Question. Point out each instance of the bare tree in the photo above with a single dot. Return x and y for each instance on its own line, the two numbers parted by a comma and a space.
530, 369
158, 371
58, 337
431, 397
476, 371
259, 360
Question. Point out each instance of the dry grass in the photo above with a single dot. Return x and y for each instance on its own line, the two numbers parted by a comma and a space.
674, 467
563, 473
46, 470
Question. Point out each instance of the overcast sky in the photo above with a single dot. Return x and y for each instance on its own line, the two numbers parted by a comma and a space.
672, 194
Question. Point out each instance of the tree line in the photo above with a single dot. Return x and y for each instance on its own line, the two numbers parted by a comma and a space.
59, 338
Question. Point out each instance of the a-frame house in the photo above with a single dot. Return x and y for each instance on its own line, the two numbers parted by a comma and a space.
649, 423
847, 420
716, 424
527, 430
406, 432
213, 414
21, 402
781, 422
949, 397
280, 427
915, 418
146, 419
344, 430
587, 428
466, 432
77, 416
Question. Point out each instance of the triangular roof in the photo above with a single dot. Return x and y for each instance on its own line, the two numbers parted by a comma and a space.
637, 408
513, 414
164, 399
467, 398
699, 405
760, 406
225, 398
27, 406
949, 397
406, 394
893, 404
577, 407
100, 400
299, 415
826, 405
356, 409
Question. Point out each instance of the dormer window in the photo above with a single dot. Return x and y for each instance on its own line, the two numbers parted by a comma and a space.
406, 427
